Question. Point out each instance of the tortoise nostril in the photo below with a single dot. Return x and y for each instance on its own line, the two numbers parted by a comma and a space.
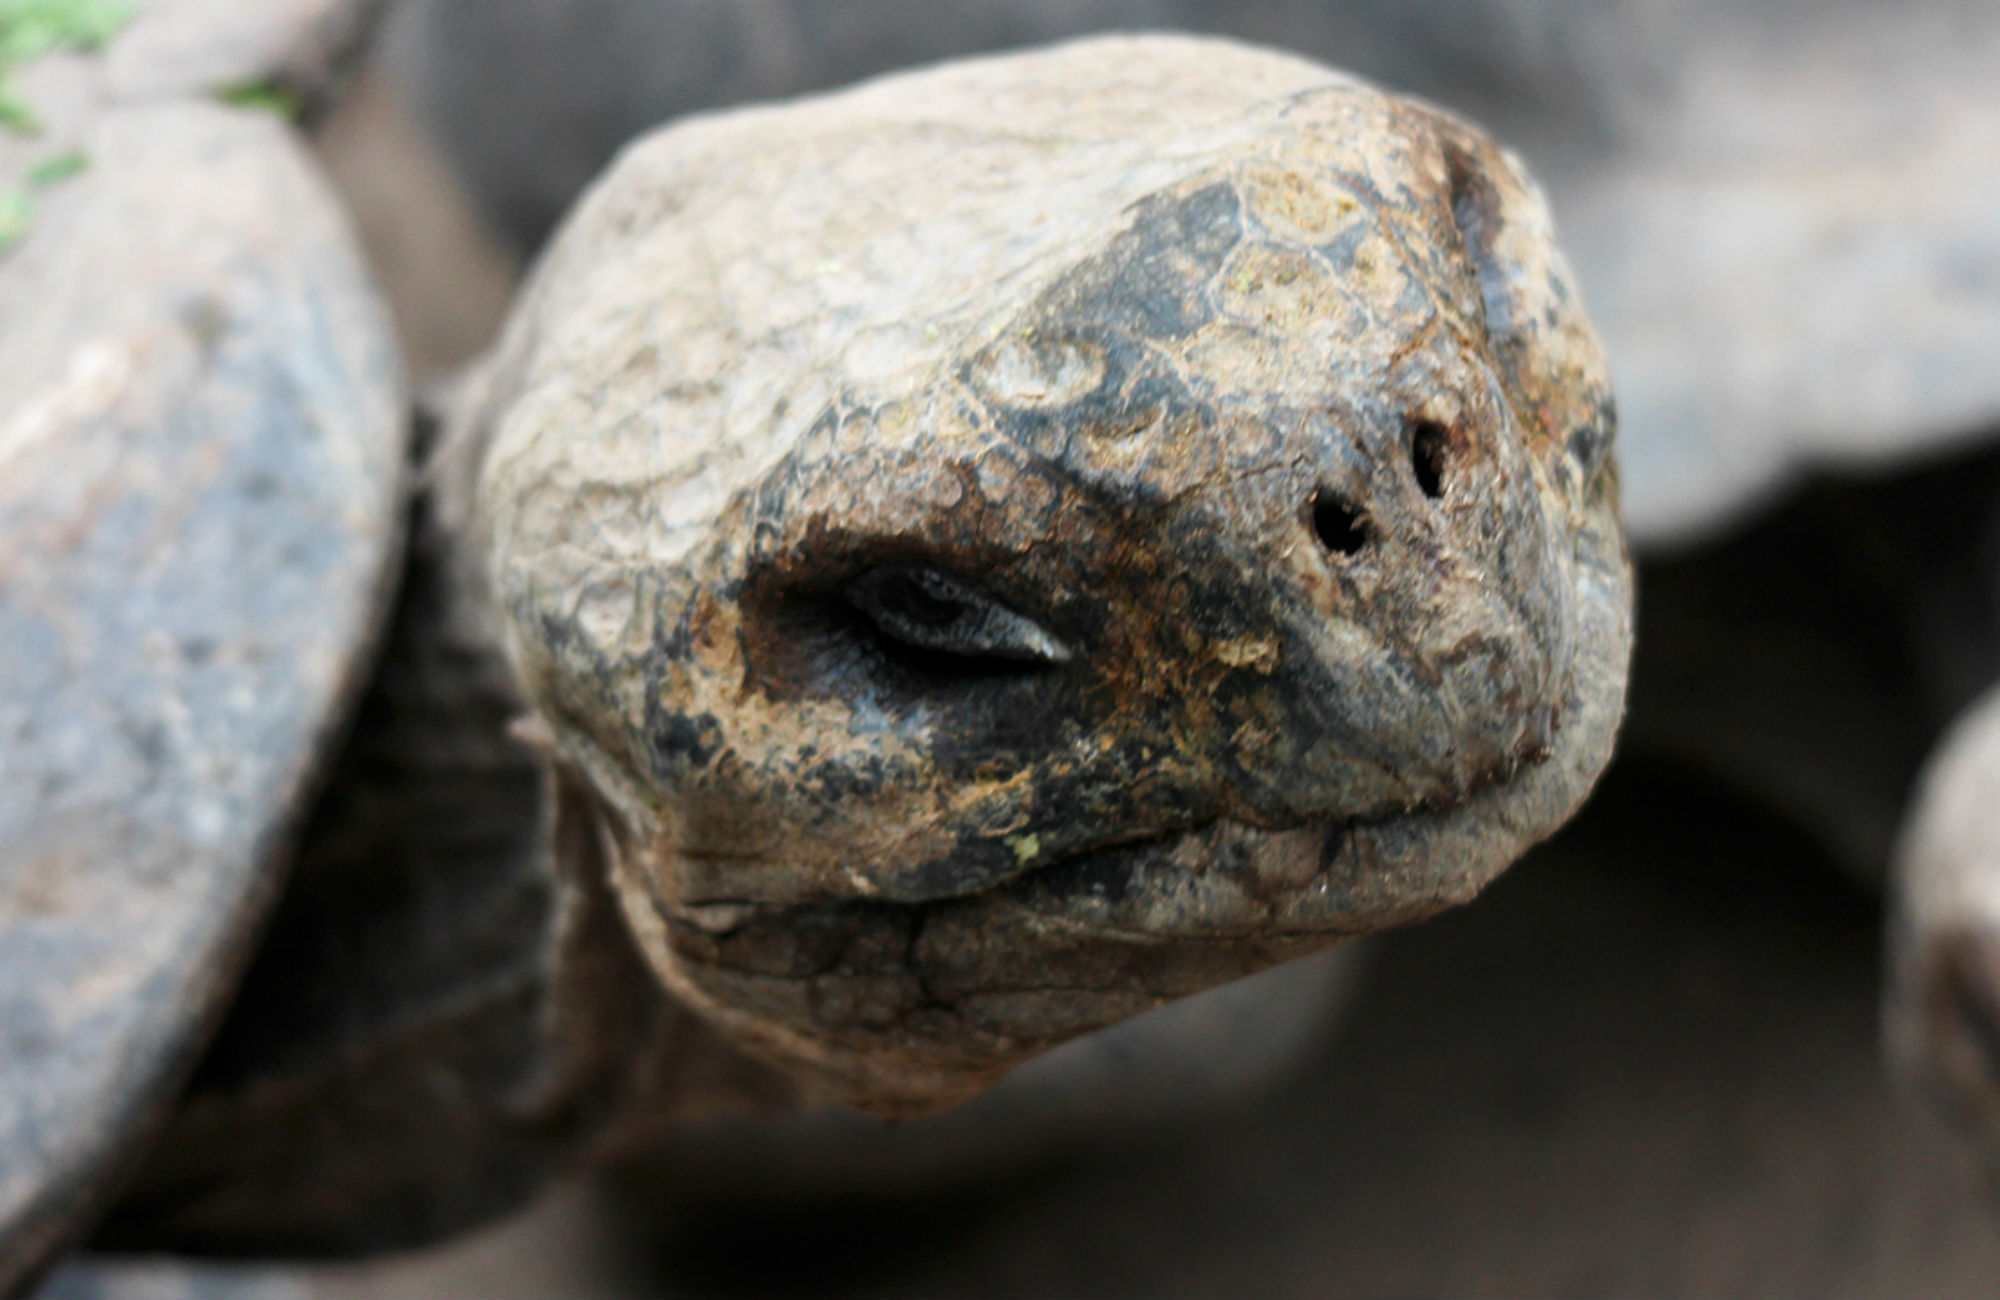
1342, 528
1428, 445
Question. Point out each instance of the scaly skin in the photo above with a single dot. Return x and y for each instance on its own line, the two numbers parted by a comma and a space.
1014, 543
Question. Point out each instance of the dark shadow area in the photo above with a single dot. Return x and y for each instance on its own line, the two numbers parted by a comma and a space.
1814, 657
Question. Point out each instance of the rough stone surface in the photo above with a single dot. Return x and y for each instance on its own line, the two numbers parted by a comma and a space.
202, 435
1012, 544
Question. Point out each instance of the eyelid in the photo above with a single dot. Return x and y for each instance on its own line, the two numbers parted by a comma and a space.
935, 610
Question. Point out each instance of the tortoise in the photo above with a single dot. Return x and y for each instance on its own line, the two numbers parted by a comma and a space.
928, 572
1782, 224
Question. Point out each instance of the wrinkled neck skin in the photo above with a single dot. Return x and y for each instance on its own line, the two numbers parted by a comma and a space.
1269, 587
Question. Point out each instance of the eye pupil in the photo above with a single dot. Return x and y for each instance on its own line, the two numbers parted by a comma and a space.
914, 596
923, 608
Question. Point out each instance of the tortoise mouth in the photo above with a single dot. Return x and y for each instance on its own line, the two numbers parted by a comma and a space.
902, 1009
1101, 869
1105, 870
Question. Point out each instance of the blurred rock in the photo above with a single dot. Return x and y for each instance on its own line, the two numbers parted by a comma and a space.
446, 277
193, 47
201, 432
178, 49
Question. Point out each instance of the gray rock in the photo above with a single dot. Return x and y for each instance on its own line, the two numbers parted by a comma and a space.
181, 48
202, 445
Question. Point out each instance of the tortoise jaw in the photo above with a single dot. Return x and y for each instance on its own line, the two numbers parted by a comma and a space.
1103, 870
982, 866
902, 1009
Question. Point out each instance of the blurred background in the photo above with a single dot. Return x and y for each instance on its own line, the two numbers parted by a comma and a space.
1647, 1061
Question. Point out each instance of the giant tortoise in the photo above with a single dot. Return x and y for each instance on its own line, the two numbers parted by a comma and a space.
927, 573
1783, 219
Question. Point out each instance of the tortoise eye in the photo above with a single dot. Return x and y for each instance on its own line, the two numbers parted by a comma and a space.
930, 610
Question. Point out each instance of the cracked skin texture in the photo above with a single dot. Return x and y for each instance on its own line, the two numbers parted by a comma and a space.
1262, 396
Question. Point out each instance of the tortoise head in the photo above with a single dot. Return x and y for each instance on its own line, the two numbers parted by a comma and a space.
1228, 571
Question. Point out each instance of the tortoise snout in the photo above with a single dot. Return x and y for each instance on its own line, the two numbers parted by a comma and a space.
1422, 599
1341, 519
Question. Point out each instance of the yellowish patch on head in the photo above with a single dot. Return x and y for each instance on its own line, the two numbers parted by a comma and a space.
1258, 652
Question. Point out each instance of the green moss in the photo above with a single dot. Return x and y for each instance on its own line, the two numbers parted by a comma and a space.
58, 167
17, 210
15, 115
263, 97
31, 28
17, 204
28, 30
